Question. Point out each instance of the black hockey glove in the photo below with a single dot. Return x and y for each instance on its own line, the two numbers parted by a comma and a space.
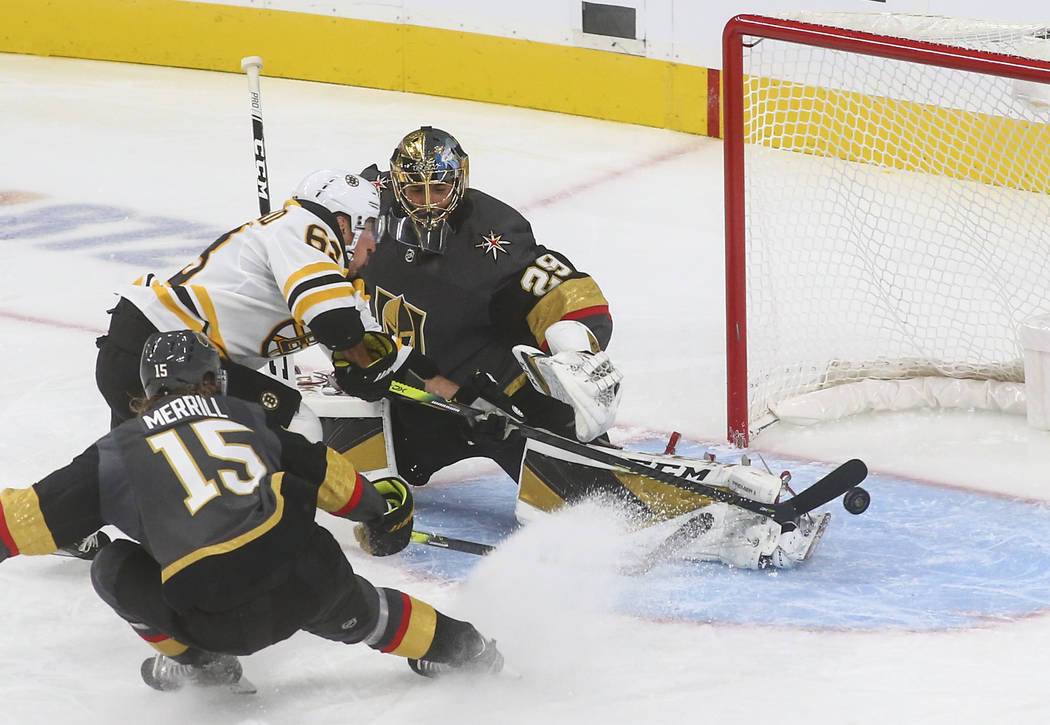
484, 393
372, 382
391, 532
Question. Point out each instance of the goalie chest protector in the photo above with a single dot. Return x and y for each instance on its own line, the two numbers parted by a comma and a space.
449, 305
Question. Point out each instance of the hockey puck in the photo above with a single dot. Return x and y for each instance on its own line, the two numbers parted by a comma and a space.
856, 500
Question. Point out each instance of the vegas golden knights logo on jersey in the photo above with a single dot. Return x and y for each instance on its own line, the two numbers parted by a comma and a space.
288, 337
400, 318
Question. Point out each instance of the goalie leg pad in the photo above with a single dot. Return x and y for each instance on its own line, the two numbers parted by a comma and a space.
737, 537
749, 541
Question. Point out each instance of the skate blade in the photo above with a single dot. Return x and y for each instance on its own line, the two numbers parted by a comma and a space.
71, 555
67, 554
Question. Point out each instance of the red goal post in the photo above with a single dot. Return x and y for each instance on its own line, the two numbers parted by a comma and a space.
887, 203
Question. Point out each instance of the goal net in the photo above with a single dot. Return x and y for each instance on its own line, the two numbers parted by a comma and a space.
887, 206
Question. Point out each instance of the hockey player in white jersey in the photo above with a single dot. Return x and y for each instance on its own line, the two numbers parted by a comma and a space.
269, 288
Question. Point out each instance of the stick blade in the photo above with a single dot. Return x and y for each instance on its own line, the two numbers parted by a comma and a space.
828, 488
447, 542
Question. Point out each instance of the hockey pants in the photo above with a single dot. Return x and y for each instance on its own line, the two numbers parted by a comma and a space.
321, 595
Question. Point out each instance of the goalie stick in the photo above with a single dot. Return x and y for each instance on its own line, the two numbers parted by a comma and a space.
252, 65
826, 489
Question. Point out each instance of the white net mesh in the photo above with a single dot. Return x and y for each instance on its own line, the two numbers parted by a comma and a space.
897, 213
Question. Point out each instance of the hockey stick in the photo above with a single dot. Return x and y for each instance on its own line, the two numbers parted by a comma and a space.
694, 526
828, 488
252, 65
447, 542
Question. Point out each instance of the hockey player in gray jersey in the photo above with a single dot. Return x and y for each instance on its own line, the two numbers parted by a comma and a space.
228, 558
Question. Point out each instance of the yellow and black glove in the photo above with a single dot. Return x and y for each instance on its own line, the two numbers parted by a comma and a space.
391, 532
372, 382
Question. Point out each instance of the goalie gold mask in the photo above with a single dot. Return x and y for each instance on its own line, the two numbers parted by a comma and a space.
428, 172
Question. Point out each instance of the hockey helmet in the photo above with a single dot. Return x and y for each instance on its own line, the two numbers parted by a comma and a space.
429, 173
341, 192
178, 359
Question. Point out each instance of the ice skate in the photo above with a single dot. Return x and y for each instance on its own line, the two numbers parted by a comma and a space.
165, 674
487, 661
86, 548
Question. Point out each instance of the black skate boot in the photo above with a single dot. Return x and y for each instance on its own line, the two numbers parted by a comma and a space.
487, 660
166, 674
86, 548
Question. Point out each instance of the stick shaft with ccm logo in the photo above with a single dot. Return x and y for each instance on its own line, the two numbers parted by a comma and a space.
252, 65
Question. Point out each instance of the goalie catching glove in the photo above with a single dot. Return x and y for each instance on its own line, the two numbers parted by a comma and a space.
391, 532
387, 361
578, 373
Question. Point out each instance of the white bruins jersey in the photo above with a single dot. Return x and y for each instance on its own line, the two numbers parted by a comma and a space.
256, 289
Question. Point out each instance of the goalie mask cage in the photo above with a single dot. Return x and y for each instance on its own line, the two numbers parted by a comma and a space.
887, 207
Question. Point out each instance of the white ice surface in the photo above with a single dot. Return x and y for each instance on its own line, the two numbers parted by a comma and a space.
641, 210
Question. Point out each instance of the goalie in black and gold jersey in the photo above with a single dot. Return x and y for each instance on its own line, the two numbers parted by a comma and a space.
228, 558
459, 276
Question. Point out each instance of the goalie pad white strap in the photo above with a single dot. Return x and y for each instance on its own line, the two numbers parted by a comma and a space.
588, 383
